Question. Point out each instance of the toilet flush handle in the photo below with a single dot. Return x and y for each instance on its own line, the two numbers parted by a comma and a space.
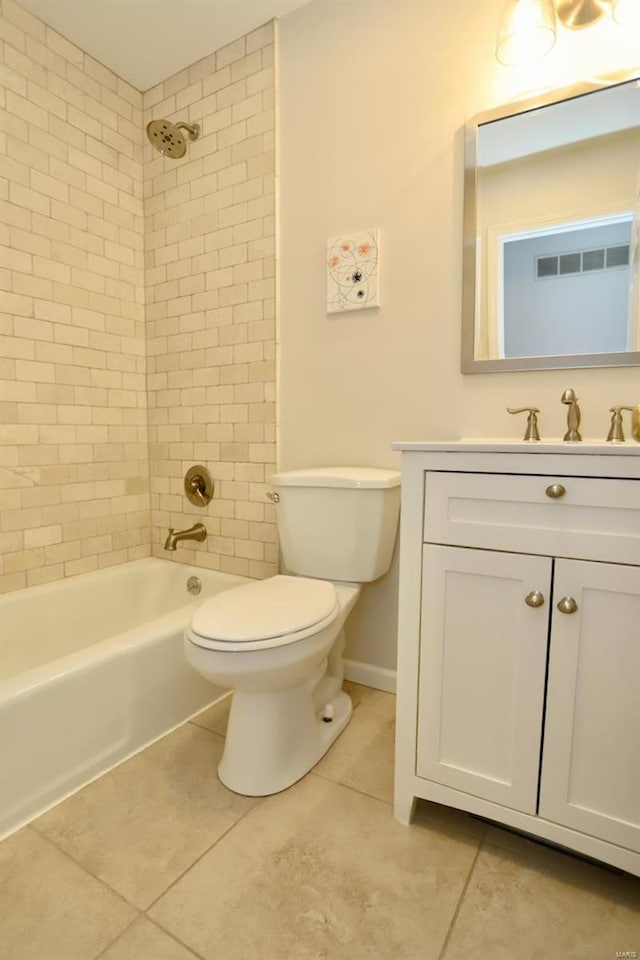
274, 497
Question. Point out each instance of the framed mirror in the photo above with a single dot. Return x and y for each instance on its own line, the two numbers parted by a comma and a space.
552, 232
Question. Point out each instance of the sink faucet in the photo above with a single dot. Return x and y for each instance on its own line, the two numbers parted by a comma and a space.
573, 415
196, 532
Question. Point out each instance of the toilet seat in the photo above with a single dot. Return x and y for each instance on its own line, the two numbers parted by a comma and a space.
267, 613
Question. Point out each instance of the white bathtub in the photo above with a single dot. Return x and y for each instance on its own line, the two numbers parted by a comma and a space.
91, 671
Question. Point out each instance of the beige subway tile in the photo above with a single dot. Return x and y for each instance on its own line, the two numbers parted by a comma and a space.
250, 511
86, 565
11, 542
27, 111
235, 565
213, 79
35, 371
23, 196
260, 38
40, 575
17, 392
62, 552
259, 81
261, 570
43, 536
12, 581
230, 53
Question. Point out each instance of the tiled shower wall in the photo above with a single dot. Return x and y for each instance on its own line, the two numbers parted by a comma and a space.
210, 294
74, 460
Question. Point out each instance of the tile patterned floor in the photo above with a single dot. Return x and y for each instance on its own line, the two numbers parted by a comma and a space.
158, 861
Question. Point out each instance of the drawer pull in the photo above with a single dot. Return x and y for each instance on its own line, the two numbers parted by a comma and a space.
555, 491
567, 605
534, 599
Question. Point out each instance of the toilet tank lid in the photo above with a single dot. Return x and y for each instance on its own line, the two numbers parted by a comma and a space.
363, 477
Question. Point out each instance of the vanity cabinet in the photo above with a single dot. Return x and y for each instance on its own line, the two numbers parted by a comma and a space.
519, 640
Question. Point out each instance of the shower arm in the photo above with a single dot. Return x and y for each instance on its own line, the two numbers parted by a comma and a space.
193, 129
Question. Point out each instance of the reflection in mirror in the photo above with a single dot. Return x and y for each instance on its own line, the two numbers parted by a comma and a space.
552, 226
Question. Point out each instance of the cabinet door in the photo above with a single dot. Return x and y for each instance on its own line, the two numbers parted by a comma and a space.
482, 672
591, 757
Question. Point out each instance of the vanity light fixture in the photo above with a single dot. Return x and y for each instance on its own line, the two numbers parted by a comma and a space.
528, 27
626, 12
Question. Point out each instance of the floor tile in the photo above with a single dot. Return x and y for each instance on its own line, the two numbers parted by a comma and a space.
215, 718
51, 909
517, 907
438, 815
141, 825
144, 941
611, 881
321, 872
362, 756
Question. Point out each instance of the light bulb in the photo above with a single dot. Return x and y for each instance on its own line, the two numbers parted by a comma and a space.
527, 31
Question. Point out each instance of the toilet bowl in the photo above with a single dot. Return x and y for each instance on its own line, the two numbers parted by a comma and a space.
284, 664
278, 643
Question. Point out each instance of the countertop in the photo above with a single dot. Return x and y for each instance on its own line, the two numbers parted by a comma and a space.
479, 445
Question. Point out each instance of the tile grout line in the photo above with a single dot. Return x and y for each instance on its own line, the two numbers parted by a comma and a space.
150, 906
81, 866
177, 940
116, 938
445, 944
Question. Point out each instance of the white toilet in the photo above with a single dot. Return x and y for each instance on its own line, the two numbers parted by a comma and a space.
278, 643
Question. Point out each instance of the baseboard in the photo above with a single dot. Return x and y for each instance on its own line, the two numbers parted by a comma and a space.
370, 676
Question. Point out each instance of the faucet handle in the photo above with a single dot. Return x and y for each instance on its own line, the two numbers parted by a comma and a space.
616, 433
531, 433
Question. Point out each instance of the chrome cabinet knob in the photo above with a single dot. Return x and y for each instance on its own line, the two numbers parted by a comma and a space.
534, 599
567, 605
555, 491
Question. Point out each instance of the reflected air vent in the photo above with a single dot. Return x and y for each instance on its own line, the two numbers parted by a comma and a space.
584, 261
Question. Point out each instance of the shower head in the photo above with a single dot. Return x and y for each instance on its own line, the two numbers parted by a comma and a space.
166, 137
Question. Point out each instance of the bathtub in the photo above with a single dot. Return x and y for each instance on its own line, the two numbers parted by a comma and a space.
91, 671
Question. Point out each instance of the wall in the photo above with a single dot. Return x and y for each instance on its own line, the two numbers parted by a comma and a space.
372, 107
210, 291
74, 459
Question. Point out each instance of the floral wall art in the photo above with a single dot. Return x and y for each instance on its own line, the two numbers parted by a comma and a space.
353, 271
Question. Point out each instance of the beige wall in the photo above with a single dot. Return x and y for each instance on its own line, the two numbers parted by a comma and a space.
73, 462
210, 289
374, 97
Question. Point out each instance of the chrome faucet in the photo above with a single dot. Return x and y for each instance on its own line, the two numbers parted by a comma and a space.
573, 415
196, 532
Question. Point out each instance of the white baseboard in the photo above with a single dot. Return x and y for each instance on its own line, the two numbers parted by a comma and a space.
370, 676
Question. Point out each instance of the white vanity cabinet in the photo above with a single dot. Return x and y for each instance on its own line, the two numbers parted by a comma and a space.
519, 639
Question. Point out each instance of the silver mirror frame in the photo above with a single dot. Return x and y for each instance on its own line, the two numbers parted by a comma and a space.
469, 364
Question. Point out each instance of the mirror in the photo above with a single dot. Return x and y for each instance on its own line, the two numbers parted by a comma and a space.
552, 232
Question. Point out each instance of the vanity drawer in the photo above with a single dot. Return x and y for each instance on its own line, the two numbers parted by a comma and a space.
588, 518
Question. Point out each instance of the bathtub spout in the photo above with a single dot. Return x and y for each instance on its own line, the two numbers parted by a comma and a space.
196, 532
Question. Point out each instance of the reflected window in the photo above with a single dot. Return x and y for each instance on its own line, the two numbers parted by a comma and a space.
566, 289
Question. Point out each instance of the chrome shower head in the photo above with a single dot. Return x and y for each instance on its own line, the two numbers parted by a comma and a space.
166, 137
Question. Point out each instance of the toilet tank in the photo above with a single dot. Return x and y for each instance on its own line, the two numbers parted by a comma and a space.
338, 523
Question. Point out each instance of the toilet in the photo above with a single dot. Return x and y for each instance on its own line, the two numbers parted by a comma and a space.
278, 643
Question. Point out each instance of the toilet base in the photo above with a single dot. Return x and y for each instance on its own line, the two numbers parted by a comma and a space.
274, 739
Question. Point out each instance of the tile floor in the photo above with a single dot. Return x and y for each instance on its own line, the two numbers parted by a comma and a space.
158, 861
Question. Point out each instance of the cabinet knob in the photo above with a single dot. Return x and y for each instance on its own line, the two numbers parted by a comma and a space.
534, 599
555, 491
567, 605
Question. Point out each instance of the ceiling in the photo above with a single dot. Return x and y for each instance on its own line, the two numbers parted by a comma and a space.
146, 41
